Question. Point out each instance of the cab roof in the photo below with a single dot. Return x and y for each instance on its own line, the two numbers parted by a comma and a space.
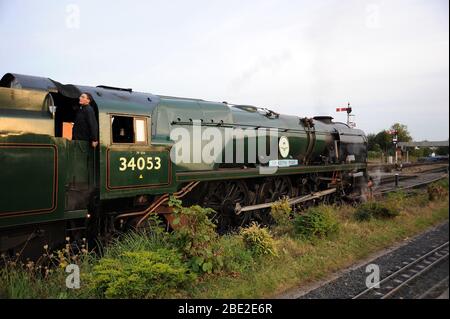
108, 99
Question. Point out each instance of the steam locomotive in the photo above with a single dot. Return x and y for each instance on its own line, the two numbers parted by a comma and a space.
52, 186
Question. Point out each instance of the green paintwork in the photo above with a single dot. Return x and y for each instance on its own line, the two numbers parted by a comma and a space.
30, 192
138, 169
29, 171
80, 168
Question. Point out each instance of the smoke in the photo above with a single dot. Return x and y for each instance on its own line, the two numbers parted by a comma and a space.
376, 177
363, 186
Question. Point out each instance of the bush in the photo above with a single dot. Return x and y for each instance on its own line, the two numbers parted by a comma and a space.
437, 190
318, 221
140, 274
281, 212
195, 236
363, 214
369, 210
258, 240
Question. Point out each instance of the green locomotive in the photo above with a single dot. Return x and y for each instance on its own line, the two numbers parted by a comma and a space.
52, 187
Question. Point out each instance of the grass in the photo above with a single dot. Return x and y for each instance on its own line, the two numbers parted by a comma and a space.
303, 262
298, 261
45, 278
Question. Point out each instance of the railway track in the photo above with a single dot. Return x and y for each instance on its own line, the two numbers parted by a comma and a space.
387, 184
405, 166
394, 285
390, 177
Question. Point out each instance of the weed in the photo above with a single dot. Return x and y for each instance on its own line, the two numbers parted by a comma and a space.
282, 214
195, 235
44, 277
141, 240
318, 221
371, 209
236, 258
396, 201
438, 190
258, 240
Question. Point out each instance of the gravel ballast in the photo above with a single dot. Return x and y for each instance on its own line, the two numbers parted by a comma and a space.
352, 281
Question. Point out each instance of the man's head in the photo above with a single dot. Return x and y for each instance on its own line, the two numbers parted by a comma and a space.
85, 99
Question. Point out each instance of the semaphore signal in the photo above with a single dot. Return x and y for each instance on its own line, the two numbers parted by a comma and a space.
347, 109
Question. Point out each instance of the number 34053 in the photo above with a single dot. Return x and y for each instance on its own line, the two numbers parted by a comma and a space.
141, 163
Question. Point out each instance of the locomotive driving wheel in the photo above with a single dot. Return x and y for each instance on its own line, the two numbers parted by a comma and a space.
223, 197
305, 186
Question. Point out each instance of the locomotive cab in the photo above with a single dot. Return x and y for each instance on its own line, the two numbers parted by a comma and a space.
42, 111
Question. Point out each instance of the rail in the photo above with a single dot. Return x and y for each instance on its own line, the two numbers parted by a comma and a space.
393, 283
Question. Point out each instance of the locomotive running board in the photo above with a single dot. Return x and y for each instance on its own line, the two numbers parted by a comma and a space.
291, 201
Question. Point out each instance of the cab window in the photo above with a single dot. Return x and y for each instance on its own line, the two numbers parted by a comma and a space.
140, 130
129, 130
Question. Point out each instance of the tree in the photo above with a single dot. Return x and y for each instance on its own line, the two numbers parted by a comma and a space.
403, 134
421, 152
384, 140
372, 142
442, 150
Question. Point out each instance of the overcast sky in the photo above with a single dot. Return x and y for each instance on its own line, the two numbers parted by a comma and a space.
389, 58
